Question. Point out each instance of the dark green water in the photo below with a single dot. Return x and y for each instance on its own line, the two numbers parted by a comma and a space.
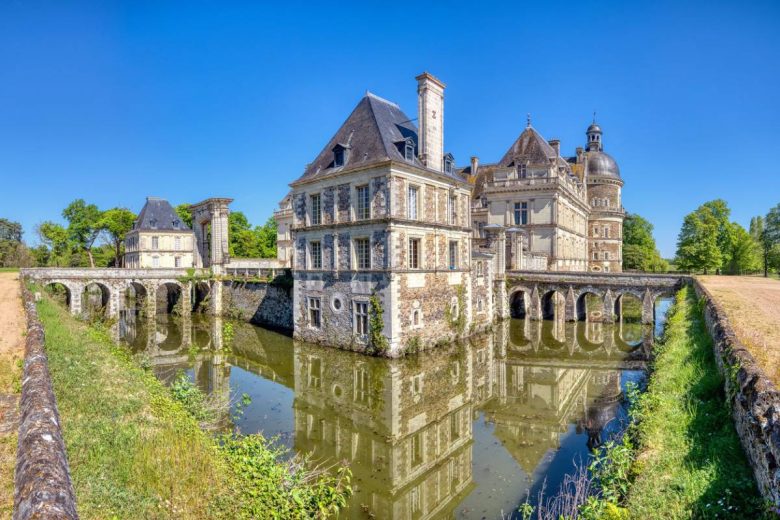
466, 431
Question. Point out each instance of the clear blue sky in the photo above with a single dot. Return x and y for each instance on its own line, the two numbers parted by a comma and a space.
113, 101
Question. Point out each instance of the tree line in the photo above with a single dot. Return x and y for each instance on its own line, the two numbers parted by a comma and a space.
709, 242
91, 237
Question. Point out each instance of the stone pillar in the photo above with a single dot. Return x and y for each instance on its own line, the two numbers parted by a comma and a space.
534, 309
151, 299
618, 309
76, 294
186, 298
112, 307
570, 312
216, 298
216, 333
609, 306
186, 330
648, 314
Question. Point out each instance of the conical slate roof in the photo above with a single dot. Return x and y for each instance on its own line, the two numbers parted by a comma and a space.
157, 214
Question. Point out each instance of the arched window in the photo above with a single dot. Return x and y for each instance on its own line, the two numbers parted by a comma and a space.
416, 318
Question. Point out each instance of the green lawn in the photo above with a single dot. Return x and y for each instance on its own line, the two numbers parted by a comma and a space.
690, 463
9, 269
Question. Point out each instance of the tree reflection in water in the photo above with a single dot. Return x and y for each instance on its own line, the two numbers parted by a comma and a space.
463, 430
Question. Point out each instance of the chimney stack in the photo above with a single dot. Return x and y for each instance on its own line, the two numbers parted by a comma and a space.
430, 118
474, 165
556, 144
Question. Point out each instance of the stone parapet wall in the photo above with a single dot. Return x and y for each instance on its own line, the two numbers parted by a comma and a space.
42, 484
261, 303
754, 399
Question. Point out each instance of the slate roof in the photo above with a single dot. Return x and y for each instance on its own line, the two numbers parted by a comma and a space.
157, 214
530, 147
375, 131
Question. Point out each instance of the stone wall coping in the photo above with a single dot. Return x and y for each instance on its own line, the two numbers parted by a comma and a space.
104, 273
754, 398
42, 484
649, 279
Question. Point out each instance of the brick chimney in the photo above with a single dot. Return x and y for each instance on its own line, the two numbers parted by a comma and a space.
556, 144
430, 117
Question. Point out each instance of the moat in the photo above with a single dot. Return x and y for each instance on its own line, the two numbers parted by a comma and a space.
466, 431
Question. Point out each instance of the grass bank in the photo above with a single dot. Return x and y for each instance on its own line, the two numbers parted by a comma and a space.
683, 457
136, 452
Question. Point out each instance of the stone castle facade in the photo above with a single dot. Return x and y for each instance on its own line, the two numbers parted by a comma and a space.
382, 216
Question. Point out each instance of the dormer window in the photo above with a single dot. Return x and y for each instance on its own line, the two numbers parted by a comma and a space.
153, 223
449, 161
175, 224
522, 171
409, 150
339, 155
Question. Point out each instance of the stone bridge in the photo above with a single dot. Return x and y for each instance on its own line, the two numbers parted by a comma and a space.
182, 287
545, 295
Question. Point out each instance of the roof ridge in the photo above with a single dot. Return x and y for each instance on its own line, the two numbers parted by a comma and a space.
383, 100
376, 122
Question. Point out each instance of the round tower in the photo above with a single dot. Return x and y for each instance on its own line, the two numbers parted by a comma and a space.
605, 223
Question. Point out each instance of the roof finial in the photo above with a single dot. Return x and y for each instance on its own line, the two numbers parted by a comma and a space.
528, 119
594, 117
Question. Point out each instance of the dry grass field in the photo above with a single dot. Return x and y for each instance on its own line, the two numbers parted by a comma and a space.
753, 306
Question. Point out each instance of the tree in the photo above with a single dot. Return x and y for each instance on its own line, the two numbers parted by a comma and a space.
697, 243
183, 211
267, 238
745, 254
55, 237
10, 231
84, 225
639, 250
243, 241
117, 222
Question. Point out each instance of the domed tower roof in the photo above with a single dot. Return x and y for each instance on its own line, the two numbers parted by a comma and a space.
599, 163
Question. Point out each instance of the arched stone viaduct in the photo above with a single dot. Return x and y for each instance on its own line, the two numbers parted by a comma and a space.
534, 293
114, 284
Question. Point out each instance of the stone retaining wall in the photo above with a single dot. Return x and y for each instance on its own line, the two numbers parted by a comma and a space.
260, 303
754, 399
42, 487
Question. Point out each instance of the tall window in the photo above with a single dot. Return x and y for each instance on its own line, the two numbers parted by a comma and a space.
362, 387
606, 255
315, 373
412, 202
338, 157
316, 210
447, 165
363, 253
155, 261
453, 254
177, 243
155, 243
522, 171
455, 426
414, 253
316, 255
606, 231
361, 318
315, 313
417, 449
363, 203
452, 209
177, 261
521, 213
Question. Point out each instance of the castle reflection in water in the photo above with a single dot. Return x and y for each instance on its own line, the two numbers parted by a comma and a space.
407, 426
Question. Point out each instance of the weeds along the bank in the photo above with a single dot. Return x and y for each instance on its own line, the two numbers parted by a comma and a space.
136, 451
680, 456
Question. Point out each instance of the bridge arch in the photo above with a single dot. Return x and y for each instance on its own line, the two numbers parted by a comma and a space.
169, 297
201, 293
136, 295
62, 291
590, 305
96, 299
553, 304
520, 302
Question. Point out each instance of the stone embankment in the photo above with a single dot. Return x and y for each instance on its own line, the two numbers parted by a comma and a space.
43, 487
754, 399
261, 303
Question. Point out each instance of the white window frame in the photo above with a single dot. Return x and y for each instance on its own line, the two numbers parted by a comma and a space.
315, 214
417, 257
314, 305
177, 243
362, 213
356, 254
315, 259
155, 243
452, 255
413, 210
360, 317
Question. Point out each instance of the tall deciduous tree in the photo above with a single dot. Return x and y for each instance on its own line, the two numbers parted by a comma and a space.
744, 255
697, 243
639, 250
55, 237
84, 225
117, 223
